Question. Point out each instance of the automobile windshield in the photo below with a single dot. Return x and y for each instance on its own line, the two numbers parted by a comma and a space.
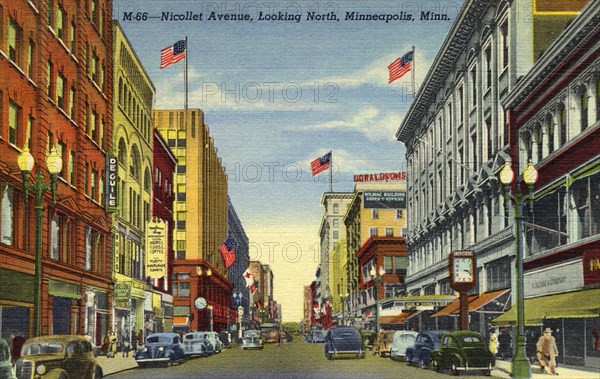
159, 339
251, 334
40, 348
471, 340
405, 338
345, 334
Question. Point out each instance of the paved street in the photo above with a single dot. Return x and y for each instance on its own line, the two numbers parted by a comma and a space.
291, 360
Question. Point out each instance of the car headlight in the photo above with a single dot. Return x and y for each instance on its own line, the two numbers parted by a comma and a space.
41, 369
161, 349
145, 349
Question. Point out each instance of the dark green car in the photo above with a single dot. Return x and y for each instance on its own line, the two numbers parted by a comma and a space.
462, 351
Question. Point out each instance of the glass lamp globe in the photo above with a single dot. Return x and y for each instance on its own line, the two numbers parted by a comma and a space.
506, 174
530, 175
25, 160
381, 271
54, 162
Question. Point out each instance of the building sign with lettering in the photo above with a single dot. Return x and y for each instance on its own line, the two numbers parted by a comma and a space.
112, 174
156, 249
380, 177
122, 291
591, 267
555, 279
384, 199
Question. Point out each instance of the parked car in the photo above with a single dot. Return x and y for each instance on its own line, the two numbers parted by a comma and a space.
194, 344
316, 336
251, 339
343, 340
401, 341
57, 356
463, 351
425, 343
213, 343
383, 343
161, 348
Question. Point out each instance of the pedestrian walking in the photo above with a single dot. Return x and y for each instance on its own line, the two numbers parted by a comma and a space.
125, 344
505, 344
531, 338
133, 340
547, 352
493, 344
140, 339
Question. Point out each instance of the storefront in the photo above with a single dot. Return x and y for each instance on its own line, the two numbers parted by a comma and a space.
16, 309
64, 302
415, 311
565, 297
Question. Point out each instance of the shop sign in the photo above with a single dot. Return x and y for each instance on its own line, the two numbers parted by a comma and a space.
122, 291
380, 177
112, 174
555, 279
384, 199
156, 249
591, 267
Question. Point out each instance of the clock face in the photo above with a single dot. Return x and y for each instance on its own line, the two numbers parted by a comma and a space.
200, 303
463, 270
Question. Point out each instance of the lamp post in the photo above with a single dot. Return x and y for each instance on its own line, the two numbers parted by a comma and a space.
39, 187
377, 278
521, 367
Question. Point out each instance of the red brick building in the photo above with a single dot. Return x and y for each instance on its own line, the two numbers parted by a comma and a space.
56, 91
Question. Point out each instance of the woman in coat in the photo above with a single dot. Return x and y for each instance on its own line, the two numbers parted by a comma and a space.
493, 345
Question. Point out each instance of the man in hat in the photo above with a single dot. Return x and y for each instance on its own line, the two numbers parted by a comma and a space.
547, 352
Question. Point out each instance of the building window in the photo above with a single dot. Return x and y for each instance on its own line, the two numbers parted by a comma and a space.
583, 104
473, 77
71, 102
585, 195
487, 53
375, 213
504, 44
88, 249
336, 223
562, 125
336, 209
336, 235
49, 69
60, 88
29, 58
398, 214
389, 232
7, 212
400, 265
86, 181
95, 184
71, 168
387, 265
60, 25
72, 37
14, 41
372, 232
54, 242
13, 122
498, 274
459, 105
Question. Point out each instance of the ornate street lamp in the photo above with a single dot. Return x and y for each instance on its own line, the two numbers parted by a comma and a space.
377, 278
38, 187
521, 367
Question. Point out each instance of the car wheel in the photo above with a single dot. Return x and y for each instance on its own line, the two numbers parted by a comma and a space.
408, 358
487, 372
62, 375
329, 356
422, 364
435, 366
454, 369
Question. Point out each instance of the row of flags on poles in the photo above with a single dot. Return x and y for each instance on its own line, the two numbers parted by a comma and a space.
397, 69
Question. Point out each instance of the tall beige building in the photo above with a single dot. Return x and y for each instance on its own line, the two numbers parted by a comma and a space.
200, 213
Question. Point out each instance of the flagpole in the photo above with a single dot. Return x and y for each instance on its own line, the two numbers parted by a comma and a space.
412, 72
185, 75
331, 171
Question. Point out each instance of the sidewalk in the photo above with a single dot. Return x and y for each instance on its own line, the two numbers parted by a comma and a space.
116, 364
503, 368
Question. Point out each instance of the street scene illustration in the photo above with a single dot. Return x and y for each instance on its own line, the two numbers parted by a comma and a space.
299, 189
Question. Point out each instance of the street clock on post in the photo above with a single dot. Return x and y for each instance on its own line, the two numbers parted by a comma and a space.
200, 303
462, 278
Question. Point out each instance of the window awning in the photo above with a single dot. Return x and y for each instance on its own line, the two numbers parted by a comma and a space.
395, 319
181, 321
475, 302
577, 304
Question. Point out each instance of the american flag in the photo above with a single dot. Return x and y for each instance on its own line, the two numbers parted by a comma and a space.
172, 54
400, 66
227, 251
248, 277
320, 164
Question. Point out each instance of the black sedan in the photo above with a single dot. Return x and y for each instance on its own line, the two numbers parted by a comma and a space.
161, 348
462, 351
343, 340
